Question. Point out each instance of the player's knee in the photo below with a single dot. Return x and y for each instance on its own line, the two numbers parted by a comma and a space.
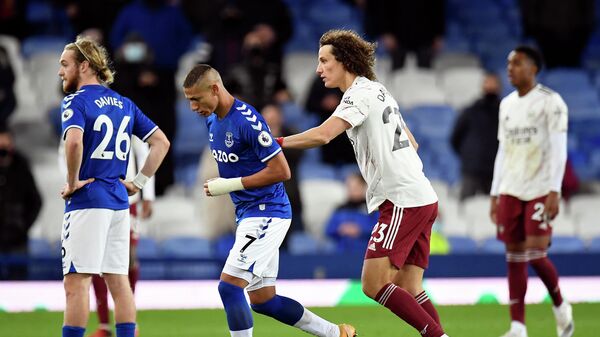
75, 288
371, 289
227, 290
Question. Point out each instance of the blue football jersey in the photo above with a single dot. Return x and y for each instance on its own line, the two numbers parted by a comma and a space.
107, 120
242, 144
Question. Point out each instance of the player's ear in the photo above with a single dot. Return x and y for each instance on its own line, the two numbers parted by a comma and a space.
214, 88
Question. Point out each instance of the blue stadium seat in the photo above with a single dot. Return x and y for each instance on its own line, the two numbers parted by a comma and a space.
192, 134
223, 245
566, 244
187, 247
43, 44
566, 79
462, 244
41, 248
316, 171
190, 248
301, 243
594, 245
492, 245
148, 248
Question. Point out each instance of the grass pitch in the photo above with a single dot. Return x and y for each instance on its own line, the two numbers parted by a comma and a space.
459, 321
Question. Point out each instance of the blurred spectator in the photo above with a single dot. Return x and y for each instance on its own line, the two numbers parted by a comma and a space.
20, 204
217, 213
256, 79
350, 225
570, 183
146, 71
561, 28
475, 139
12, 18
232, 26
407, 26
274, 118
322, 102
8, 101
92, 14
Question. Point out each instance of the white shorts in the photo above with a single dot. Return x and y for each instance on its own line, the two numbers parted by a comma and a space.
95, 241
254, 256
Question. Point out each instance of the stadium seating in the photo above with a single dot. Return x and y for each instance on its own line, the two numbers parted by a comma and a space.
319, 198
148, 248
182, 248
462, 245
461, 86
303, 244
566, 244
493, 246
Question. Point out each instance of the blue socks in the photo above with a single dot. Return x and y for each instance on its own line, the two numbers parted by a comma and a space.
238, 312
72, 331
283, 309
125, 329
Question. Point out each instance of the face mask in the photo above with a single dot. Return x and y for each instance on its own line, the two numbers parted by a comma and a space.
134, 52
4, 153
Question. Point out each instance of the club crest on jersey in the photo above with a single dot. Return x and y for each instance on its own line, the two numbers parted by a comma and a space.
67, 114
264, 138
229, 139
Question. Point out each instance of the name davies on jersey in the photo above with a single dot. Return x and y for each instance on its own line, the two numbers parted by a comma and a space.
107, 100
225, 157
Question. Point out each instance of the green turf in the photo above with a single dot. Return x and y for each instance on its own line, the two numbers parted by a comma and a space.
459, 321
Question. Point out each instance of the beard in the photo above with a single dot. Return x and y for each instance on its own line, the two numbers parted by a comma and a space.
70, 86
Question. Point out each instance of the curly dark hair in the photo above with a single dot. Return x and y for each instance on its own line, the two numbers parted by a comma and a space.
356, 54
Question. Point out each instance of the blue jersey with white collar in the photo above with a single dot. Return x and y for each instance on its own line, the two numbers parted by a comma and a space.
107, 120
242, 144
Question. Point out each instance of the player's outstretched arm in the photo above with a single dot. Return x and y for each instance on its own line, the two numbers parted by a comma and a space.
277, 170
317, 136
159, 146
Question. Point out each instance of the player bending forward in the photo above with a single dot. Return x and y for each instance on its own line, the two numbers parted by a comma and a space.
251, 168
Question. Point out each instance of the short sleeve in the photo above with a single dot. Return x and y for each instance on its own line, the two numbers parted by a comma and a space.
143, 127
72, 114
354, 107
557, 114
258, 136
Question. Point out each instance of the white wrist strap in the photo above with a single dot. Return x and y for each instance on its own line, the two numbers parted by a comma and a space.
140, 180
221, 186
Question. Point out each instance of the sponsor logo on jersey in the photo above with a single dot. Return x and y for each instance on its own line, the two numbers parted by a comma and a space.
225, 157
264, 139
229, 139
67, 114
347, 100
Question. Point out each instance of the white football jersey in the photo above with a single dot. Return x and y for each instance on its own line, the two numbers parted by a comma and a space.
385, 155
524, 127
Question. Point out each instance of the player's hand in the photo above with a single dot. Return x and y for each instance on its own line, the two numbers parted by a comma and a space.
494, 209
131, 188
146, 209
279, 141
206, 191
68, 190
551, 206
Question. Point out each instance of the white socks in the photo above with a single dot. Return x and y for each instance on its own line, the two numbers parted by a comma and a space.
316, 325
242, 333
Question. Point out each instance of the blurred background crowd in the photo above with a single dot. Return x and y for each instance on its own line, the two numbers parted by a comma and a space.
443, 60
